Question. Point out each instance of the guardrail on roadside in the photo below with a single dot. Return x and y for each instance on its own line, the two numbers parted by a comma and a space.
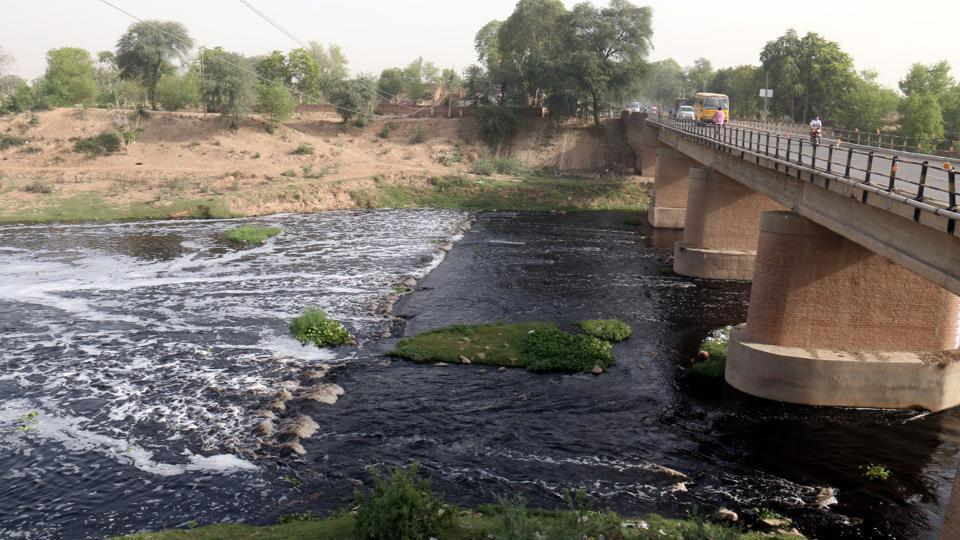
925, 184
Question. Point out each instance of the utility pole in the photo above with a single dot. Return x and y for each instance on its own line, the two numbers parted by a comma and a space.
766, 93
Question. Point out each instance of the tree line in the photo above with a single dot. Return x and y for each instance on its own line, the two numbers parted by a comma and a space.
811, 75
155, 65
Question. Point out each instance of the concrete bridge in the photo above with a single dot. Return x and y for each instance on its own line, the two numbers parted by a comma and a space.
853, 253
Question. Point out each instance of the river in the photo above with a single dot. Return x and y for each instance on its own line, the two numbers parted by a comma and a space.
146, 351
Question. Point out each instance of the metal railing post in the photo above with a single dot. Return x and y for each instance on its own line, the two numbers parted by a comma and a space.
894, 167
830, 158
866, 178
846, 173
800, 152
766, 151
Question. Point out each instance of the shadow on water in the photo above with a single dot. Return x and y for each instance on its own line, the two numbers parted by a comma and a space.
200, 326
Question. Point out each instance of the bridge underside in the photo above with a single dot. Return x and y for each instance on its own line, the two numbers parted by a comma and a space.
854, 297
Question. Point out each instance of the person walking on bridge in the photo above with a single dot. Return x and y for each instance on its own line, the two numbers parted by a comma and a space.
719, 120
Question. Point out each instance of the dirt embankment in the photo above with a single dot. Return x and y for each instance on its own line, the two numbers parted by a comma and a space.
180, 160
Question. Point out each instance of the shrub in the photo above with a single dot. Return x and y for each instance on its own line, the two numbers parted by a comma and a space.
483, 166
34, 120
552, 349
7, 141
874, 472
516, 523
400, 507
38, 186
608, 329
251, 234
175, 92
419, 136
498, 124
304, 149
275, 102
715, 346
385, 132
299, 516
315, 327
508, 166
98, 145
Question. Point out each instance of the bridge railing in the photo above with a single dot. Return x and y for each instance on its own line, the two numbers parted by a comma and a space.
947, 147
926, 184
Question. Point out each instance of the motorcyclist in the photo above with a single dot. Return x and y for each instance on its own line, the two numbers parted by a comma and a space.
816, 128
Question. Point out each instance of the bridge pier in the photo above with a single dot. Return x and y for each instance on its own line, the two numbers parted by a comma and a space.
669, 206
720, 235
645, 140
831, 323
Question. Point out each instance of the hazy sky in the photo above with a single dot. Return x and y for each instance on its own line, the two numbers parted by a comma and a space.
883, 35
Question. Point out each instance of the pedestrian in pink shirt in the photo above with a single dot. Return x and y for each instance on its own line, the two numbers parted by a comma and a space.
719, 119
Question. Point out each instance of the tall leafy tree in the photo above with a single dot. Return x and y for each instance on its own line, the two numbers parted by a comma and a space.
391, 82
700, 75
810, 75
742, 85
69, 78
607, 49
923, 83
146, 50
275, 102
870, 105
274, 67
356, 99
529, 42
665, 82
229, 83
920, 117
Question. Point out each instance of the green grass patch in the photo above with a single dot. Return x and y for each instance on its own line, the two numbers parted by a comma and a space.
715, 345
536, 346
315, 327
608, 329
251, 234
93, 207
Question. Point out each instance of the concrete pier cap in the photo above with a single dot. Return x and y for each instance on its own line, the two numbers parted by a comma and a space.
720, 233
831, 323
669, 207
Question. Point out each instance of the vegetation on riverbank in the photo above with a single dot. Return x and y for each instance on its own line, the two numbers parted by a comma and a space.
401, 507
538, 347
251, 234
315, 327
180, 200
609, 329
713, 364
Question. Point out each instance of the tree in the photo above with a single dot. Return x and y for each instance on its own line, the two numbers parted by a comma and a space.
529, 42
145, 51
391, 82
177, 91
229, 83
419, 77
869, 105
606, 49
809, 75
316, 72
275, 102
932, 80
355, 99
21, 98
665, 82
921, 118
478, 84
9, 84
274, 67
69, 78
6, 60
700, 75
742, 85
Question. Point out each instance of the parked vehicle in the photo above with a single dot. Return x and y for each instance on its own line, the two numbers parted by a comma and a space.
686, 112
633, 106
705, 105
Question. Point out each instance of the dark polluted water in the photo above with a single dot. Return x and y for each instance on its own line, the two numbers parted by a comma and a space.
147, 350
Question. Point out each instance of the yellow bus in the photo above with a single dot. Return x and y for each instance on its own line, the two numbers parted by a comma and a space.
705, 105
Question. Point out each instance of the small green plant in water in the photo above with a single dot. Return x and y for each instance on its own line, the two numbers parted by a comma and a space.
28, 421
251, 234
401, 507
608, 329
315, 327
876, 473
292, 480
715, 346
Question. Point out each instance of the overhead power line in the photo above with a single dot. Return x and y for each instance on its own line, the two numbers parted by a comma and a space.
225, 61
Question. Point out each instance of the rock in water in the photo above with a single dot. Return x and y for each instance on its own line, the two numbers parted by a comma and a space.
267, 414
278, 405
284, 395
502, 370
597, 370
265, 428
325, 393
724, 514
302, 427
481, 356
464, 360
294, 446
